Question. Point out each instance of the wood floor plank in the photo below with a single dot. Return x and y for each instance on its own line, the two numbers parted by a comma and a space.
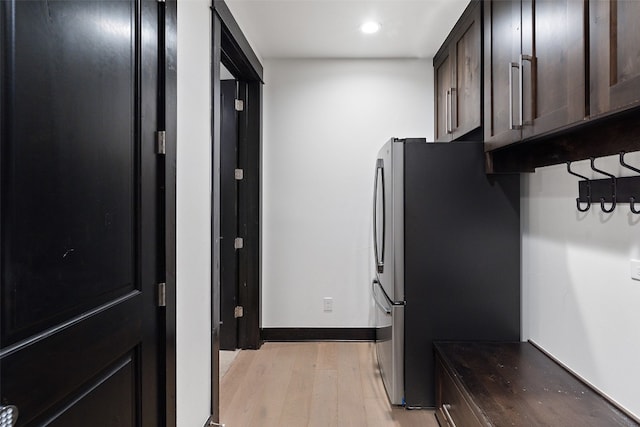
351, 409
324, 399
311, 384
235, 376
327, 355
246, 398
271, 403
297, 407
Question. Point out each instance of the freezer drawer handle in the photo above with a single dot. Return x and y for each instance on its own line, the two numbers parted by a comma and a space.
445, 410
375, 297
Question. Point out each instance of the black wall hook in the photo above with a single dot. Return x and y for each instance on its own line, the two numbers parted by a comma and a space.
613, 188
632, 199
588, 202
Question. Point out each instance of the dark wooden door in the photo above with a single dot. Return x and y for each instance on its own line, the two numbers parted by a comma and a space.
502, 29
553, 48
443, 87
614, 36
466, 99
228, 215
81, 230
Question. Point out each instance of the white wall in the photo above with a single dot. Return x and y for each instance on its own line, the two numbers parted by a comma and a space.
193, 215
579, 302
324, 121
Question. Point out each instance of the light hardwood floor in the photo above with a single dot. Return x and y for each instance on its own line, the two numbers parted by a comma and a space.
311, 384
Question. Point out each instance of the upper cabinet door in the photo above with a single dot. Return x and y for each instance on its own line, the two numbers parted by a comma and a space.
443, 89
502, 35
552, 64
466, 99
457, 71
614, 55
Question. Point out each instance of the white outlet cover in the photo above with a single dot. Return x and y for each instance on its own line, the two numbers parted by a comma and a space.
328, 304
635, 269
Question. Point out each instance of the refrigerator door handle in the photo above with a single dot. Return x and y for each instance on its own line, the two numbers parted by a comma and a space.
375, 284
378, 252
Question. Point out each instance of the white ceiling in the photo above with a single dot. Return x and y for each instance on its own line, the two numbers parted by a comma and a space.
330, 28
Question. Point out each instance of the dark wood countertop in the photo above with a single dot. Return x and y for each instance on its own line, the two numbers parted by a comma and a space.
517, 384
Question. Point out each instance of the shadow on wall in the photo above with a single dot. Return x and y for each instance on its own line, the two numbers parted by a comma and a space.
579, 302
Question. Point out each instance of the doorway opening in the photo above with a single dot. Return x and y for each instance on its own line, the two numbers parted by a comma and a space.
237, 148
231, 239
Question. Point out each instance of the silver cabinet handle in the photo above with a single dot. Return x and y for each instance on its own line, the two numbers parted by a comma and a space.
8, 416
445, 409
453, 113
447, 110
521, 67
512, 65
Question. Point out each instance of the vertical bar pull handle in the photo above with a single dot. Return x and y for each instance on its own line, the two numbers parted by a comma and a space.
512, 65
454, 112
520, 65
448, 111
379, 252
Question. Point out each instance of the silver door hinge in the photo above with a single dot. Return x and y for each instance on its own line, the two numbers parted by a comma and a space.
161, 142
239, 105
238, 243
162, 294
238, 311
239, 174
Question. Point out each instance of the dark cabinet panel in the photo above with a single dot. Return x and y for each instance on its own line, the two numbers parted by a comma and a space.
534, 68
457, 70
505, 384
468, 72
553, 65
501, 54
614, 56
443, 98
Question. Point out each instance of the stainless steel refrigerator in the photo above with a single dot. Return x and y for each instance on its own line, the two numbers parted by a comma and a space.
447, 258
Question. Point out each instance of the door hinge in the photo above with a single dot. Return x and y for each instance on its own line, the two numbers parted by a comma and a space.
239, 105
238, 243
162, 294
161, 142
239, 174
238, 311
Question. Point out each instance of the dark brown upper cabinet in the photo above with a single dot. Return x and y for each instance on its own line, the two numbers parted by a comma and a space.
614, 34
457, 74
534, 68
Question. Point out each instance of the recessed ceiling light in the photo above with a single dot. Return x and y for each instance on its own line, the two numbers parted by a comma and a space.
370, 27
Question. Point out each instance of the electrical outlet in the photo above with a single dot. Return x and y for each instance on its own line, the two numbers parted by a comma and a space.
635, 269
327, 304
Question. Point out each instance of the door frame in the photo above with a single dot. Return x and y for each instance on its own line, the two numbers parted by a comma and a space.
229, 45
168, 118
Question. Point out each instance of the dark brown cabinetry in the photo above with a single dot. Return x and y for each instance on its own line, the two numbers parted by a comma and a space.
503, 384
457, 72
534, 61
614, 57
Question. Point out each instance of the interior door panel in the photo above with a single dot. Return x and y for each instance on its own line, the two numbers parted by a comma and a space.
80, 216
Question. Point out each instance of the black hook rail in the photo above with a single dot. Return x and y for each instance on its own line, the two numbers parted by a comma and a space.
612, 190
587, 185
